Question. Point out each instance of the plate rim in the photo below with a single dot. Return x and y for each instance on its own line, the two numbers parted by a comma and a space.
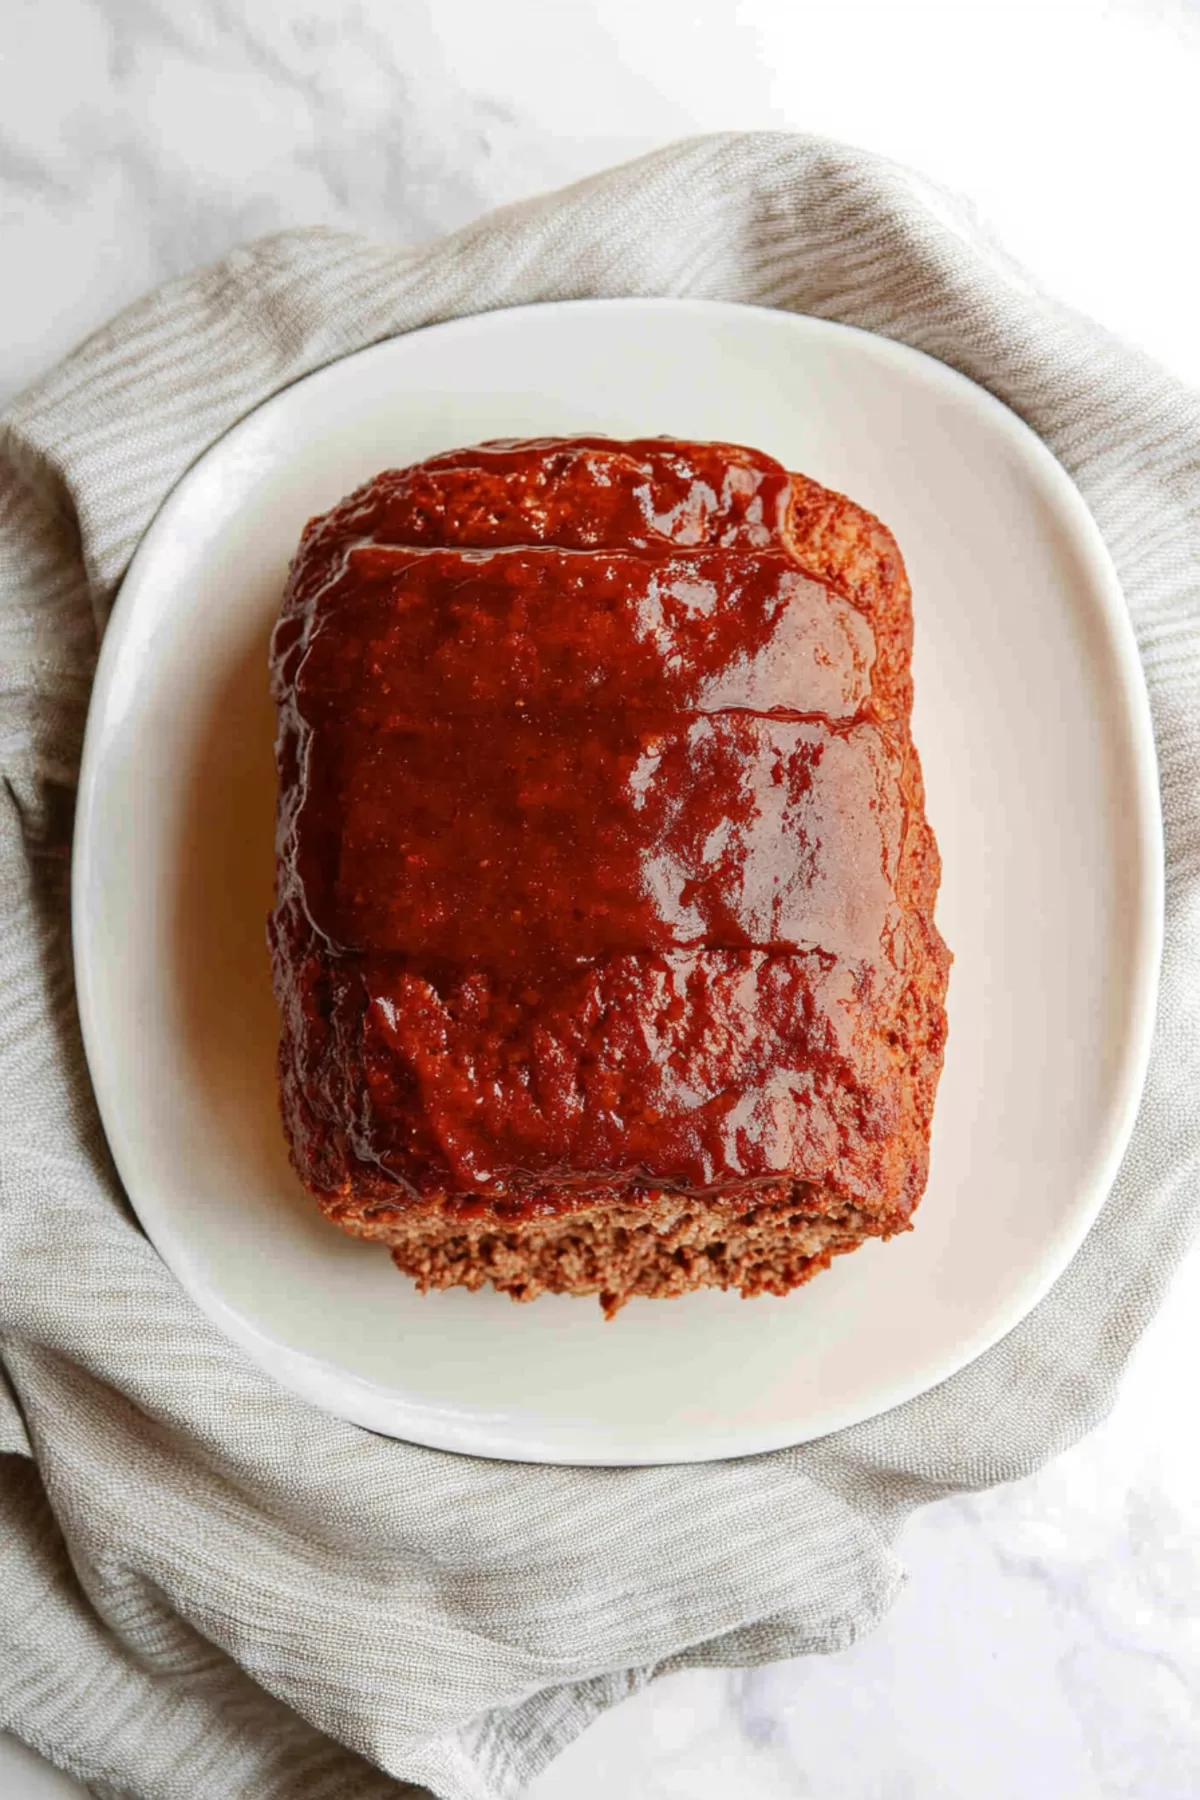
450, 1426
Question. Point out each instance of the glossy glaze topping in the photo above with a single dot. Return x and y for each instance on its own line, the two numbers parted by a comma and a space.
593, 822
511, 755
403, 632
574, 836
710, 1065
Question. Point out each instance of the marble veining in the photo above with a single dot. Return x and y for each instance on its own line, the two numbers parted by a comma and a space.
1048, 1642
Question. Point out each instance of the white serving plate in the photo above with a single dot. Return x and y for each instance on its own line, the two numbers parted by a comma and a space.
1033, 726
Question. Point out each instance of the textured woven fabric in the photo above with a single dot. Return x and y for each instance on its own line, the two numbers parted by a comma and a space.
207, 1587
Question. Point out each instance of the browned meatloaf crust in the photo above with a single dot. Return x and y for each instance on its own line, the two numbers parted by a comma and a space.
603, 937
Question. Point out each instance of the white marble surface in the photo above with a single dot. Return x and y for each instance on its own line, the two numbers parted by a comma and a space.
1048, 1644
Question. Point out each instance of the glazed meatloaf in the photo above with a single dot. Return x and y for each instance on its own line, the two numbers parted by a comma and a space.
603, 937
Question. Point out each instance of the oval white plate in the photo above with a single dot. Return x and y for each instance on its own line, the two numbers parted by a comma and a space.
1033, 725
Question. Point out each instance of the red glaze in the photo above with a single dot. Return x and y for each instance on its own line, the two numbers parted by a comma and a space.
504, 842
451, 631
591, 836
710, 1067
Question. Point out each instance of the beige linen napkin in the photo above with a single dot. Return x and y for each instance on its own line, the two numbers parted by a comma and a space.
207, 1587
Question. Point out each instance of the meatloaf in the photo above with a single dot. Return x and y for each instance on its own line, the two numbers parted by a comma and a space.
603, 938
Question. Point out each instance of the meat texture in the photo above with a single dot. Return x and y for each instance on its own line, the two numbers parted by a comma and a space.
603, 937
